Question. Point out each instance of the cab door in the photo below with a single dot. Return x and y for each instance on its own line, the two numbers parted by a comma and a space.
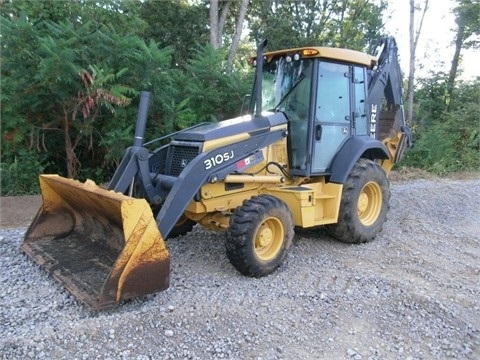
332, 118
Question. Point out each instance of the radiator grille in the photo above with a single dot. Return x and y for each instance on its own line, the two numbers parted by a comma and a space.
181, 155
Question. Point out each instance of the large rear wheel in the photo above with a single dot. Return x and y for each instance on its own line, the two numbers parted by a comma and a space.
260, 234
364, 204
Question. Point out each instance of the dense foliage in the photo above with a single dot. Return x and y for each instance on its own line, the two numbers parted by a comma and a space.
446, 140
352, 24
71, 77
72, 72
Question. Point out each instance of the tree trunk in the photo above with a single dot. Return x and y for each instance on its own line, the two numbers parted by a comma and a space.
411, 71
414, 36
217, 22
214, 36
453, 69
238, 34
71, 157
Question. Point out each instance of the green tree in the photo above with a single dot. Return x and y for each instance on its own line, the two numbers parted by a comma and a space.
177, 24
64, 83
213, 94
121, 14
446, 141
354, 24
467, 18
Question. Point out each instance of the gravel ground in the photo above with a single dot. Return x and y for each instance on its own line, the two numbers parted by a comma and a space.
413, 293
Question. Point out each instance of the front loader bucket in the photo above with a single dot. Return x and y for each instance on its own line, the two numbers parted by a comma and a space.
103, 246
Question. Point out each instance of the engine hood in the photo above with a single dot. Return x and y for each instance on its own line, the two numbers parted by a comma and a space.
243, 124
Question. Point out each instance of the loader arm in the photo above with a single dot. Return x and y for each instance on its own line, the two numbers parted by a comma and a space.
135, 159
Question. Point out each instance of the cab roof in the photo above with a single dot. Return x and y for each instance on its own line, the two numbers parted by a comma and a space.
339, 54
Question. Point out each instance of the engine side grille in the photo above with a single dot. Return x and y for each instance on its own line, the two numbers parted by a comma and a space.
179, 157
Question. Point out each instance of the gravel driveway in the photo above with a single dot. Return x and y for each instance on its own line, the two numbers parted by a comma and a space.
413, 293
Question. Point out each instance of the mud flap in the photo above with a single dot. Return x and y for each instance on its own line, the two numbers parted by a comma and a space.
103, 246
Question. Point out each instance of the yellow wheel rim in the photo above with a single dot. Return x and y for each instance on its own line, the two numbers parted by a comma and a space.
183, 219
269, 239
369, 203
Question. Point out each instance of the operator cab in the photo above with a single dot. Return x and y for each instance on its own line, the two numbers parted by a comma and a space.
324, 100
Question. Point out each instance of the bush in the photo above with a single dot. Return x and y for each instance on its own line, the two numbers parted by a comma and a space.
19, 175
449, 141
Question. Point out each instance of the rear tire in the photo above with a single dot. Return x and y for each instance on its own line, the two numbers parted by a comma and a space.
364, 205
259, 236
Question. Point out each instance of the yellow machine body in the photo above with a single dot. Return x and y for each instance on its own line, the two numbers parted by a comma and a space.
312, 201
258, 175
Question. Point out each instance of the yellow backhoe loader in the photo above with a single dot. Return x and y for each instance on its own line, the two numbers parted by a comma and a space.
324, 128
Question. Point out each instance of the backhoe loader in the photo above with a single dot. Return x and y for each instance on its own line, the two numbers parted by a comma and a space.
324, 128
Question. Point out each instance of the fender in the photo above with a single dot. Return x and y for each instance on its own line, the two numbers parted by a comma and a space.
352, 150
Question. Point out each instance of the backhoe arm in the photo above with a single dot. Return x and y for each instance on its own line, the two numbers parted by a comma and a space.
385, 81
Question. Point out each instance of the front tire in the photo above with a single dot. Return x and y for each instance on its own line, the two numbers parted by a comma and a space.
183, 226
364, 204
259, 236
